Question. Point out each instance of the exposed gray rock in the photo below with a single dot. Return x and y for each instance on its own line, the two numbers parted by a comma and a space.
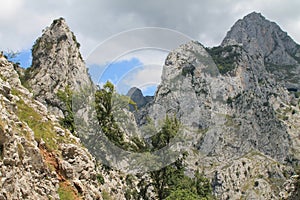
259, 36
30, 166
226, 116
137, 96
56, 64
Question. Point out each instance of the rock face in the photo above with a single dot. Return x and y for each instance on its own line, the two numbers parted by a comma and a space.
137, 96
234, 110
56, 64
239, 122
38, 158
262, 37
204, 99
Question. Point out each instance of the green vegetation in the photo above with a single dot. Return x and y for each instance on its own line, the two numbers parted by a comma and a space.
297, 94
109, 107
42, 129
104, 109
181, 194
224, 57
68, 120
100, 179
168, 131
170, 182
25, 77
66, 192
106, 195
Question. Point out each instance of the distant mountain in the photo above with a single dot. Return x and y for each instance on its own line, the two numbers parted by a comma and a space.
137, 96
259, 36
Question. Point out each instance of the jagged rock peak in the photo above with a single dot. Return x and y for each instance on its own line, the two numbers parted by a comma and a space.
259, 35
137, 96
56, 63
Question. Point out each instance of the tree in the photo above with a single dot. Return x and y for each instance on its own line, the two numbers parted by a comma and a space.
202, 184
168, 131
170, 182
104, 110
181, 194
110, 114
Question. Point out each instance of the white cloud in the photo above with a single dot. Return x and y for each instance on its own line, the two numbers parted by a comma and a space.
142, 77
9, 9
94, 21
136, 41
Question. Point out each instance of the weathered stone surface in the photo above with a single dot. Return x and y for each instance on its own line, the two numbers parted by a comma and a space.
259, 36
240, 126
29, 170
56, 64
137, 96
229, 115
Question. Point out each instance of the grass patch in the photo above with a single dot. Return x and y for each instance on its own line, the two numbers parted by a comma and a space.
66, 192
42, 129
224, 57
106, 195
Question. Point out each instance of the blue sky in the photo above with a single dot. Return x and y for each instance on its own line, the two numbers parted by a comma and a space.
94, 22
23, 57
124, 74
115, 72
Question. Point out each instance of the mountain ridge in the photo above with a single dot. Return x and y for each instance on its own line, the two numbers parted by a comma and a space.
239, 123
259, 36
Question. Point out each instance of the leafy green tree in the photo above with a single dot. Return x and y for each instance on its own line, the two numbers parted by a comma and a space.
168, 178
202, 184
168, 131
181, 194
170, 182
113, 119
104, 109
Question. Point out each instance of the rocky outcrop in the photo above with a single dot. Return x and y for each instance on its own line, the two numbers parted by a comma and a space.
56, 64
137, 96
259, 36
230, 106
39, 159
239, 124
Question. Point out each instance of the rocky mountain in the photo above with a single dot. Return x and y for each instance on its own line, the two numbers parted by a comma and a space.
137, 96
235, 120
56, 64
39, 158
241, 123
259, 36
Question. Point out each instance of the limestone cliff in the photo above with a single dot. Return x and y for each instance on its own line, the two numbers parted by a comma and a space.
235, 110
259, 36
39, 159
56, 64
239, 123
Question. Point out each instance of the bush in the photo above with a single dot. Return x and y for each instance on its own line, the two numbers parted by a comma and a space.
66, 97
224, 57
182, 195
100, 179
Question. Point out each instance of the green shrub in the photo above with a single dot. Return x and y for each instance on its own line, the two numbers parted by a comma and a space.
66, 97
106, 195
66, 192
181, 194
42, 129
100, 179
224, 57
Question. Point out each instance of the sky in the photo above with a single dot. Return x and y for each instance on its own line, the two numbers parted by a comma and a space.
113, 23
